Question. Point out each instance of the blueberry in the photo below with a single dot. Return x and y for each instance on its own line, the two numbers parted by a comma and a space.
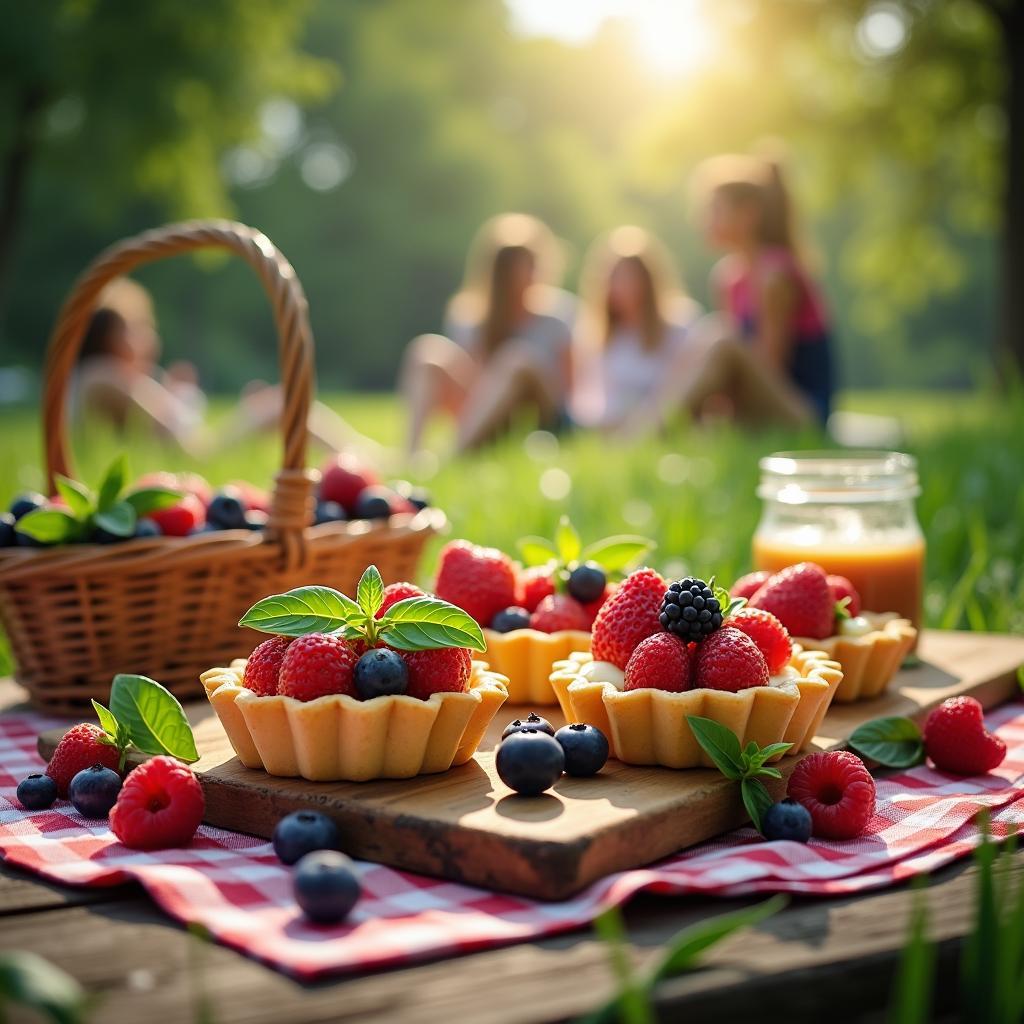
531, 721
529, 761
418, 498
8, 538
510, 618
101, 536
585, 747
303, 832
148, 528
25, 503
786, 820
94, 791
25, 541
256, 519
587, 582
227, 510
37, 792
329, 512
373, 503
326, 886
381, 672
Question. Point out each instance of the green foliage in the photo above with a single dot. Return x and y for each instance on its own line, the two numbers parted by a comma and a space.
911, 998
894, 742
28, 980
151, 717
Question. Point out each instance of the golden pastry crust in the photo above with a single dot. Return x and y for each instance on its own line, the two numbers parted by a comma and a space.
649, 726
338, 738
526, 657
870, 661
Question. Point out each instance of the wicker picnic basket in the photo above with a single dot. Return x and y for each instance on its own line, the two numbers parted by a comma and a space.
168, 607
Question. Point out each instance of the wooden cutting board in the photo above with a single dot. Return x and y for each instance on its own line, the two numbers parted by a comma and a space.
466, 825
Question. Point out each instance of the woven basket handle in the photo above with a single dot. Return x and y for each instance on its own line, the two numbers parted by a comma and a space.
292, 488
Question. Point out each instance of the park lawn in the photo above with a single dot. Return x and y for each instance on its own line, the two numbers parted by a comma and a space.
692, 491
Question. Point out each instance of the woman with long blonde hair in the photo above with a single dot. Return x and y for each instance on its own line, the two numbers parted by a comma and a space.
506, 344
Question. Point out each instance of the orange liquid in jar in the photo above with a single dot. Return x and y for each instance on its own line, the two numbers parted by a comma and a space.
888, 578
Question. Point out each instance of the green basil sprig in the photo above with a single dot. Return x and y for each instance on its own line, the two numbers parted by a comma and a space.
894, 742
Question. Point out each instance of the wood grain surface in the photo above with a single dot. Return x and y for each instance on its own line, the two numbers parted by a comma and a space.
467, 826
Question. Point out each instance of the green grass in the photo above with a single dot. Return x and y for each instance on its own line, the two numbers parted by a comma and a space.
693, 491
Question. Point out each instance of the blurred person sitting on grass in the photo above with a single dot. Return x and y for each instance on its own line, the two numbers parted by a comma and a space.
635, 326
507, 340
767, 357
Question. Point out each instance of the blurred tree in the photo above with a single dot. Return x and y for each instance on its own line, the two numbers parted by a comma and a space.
140, 100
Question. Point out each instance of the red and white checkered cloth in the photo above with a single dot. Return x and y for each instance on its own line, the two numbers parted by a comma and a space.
235, 886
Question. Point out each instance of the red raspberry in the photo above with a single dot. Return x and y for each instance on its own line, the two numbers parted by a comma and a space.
628, 616
768, 633
80, 747
837, 790
956, 739
342, 479
661, 662
160, 805
729, 660
747, 586
482, 581
181, 519
842, 587
557, 612
395, 592
264, 666
445, 670
801, 599
593, 607
318, 664
533, 585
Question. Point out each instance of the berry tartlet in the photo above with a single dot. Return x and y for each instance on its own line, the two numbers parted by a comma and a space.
383, 687
663, 652
536, 615
824, 612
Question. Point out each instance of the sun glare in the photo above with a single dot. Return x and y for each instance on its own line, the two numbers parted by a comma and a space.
672, 37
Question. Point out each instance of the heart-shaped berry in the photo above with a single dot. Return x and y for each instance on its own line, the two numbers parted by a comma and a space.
956, 740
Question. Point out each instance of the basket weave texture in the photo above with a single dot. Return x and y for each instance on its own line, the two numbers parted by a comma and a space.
168, 607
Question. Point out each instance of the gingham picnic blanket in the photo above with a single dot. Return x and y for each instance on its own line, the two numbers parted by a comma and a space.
236, 888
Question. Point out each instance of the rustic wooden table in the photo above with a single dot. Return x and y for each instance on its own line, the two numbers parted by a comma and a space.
818, 958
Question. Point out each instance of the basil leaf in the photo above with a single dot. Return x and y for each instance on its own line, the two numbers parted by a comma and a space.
301, 611
767, 753
720, 744
113, 482
731, 605
29, 980
537, 551
424, 623
151, 499
370, 591
616, 554
893, 742
153, 717
50, 526
108, 723
567, 541
118, 519
756, 799
79, 499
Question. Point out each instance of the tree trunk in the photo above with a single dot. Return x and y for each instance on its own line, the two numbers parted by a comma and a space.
16, 164
1011, 340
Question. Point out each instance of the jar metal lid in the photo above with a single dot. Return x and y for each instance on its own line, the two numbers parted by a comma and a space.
838, 477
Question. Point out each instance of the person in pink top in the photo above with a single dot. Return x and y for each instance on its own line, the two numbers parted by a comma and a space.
766, 357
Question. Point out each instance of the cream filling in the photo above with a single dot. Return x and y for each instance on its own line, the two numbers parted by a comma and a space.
858, 626
603, 672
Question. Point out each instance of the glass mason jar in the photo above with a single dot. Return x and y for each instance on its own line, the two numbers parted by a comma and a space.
852, 513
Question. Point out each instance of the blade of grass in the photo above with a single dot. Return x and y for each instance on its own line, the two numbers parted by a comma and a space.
911, 1003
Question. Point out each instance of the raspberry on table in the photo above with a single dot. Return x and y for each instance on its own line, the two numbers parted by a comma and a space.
264, 666
770, 635
837, 790
160, 805
80, 747
956, 740
318, 664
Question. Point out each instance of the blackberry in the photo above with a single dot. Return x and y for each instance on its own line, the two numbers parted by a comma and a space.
690, 610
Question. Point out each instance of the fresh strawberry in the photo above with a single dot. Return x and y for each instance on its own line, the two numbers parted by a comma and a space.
343, 478
956, 739
747, 586
593, 607
729, 660
181, 519
264, 666
533, 585
160, 805
768, 633
444, 670
837, 790
481, 581
557, 612
801, 599
843, 588
80, 747
661, 662
627, 617
395, 592
318, 664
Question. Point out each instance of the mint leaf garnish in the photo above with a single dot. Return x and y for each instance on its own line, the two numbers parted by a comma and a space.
301, 611
118, 519
113, 483
842, 609
756, 799
370, 591
567, 541
893, 742
78, 498
50, 526
115, 733
423, 623
616, 554
537, 551
720, 744
151, 499
152, 716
